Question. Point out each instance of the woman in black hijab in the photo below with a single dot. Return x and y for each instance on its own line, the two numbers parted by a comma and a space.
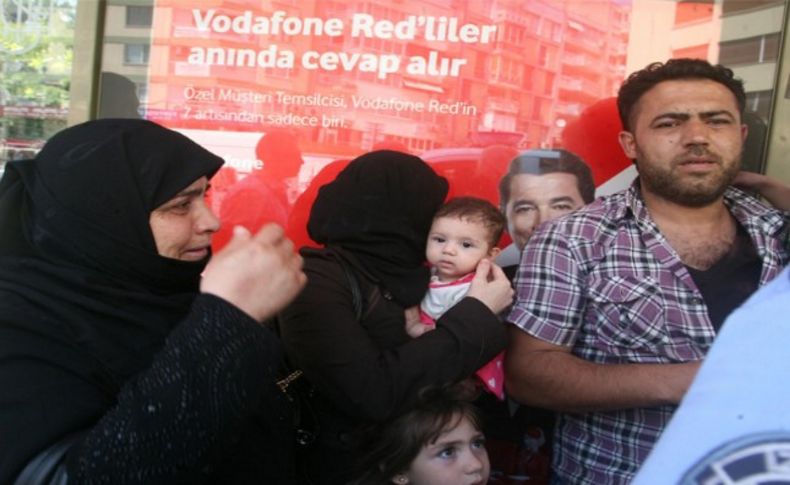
346, 330
110, 343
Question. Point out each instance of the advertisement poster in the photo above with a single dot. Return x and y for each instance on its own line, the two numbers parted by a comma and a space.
288, 92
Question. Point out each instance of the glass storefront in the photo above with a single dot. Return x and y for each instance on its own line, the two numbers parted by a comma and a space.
444, 79
36, 56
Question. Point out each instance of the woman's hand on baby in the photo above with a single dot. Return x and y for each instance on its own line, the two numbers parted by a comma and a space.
774, 191
259, 274
414, 326
491, 286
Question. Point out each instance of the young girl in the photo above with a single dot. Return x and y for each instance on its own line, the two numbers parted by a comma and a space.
438, 442
464, 232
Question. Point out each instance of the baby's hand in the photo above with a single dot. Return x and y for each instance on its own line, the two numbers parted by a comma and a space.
414, 327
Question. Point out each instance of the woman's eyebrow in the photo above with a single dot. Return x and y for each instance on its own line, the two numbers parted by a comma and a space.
191, 192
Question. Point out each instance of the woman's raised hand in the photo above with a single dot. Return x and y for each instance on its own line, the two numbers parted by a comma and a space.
491, 286
259, 274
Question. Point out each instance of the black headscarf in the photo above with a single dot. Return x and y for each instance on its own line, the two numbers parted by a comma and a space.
380, 208
78, 261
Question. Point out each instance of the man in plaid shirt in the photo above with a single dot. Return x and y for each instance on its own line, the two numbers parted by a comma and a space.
618, 302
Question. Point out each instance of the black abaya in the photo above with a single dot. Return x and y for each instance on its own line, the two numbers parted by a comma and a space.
101, 336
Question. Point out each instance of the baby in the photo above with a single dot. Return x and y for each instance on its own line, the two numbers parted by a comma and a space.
465, 231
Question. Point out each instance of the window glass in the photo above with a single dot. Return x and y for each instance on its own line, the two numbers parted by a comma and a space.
759, 103
740, 6
139, 16
136, 53
36, 52
752, 50
693, 52
693, 11
444, 80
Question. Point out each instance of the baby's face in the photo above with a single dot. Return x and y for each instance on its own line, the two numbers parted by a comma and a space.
455, 246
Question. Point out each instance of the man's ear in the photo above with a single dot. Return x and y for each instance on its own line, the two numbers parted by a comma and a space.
628, 144
744, 132
494, 252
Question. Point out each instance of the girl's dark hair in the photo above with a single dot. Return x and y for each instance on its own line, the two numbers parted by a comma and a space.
392, 446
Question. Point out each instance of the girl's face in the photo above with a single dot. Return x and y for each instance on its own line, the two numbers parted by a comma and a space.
457, 457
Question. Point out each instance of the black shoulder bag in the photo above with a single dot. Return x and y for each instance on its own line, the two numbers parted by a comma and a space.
295, 385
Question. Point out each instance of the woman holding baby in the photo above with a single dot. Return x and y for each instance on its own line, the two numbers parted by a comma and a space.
347, 331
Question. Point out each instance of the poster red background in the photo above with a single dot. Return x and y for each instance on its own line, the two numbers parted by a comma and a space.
538, 76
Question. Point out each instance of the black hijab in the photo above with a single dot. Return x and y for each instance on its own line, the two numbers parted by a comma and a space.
380, 208
78, 261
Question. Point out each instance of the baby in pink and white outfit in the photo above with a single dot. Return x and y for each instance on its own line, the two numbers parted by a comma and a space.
465, 231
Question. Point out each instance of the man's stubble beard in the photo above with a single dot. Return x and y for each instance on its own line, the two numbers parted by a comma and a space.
694, 191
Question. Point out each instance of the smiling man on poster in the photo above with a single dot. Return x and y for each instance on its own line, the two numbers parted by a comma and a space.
619, 302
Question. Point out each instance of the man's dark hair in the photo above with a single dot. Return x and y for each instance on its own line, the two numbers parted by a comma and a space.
542, 162
639, 82
475, 210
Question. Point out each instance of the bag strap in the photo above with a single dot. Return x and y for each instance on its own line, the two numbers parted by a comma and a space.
356, 302
49, 466
353, 284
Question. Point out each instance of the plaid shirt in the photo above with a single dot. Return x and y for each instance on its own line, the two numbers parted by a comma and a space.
605, 281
